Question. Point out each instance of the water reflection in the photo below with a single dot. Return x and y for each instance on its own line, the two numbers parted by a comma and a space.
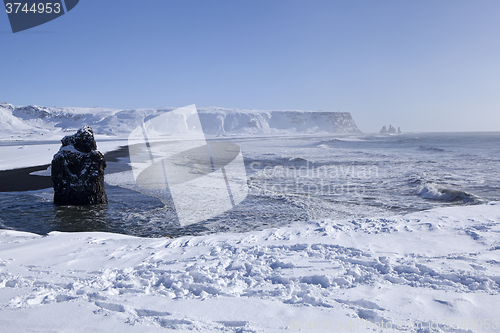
128, 212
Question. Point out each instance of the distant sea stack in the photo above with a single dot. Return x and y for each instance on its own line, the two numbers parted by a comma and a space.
78, 170
391, 130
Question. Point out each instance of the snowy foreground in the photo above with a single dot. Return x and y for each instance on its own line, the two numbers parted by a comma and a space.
421, 272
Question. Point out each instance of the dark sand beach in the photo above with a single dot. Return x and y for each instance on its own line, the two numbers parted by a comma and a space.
19, 180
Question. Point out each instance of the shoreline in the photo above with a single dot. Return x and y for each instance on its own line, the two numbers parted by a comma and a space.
20, 180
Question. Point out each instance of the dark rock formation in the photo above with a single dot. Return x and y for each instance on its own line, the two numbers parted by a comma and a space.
78, 171
391, 130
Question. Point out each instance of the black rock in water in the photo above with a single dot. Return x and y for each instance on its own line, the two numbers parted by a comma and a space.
78, 171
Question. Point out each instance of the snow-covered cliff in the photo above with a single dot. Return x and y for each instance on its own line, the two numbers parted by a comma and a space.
218, 121
42, 123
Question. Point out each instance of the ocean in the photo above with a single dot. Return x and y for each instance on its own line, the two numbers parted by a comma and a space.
292, 180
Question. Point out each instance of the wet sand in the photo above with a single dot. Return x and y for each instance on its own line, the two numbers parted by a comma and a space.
21, 180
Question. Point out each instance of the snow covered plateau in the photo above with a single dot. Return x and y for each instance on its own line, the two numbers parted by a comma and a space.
41, 123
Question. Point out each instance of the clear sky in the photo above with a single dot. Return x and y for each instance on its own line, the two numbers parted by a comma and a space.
424, 65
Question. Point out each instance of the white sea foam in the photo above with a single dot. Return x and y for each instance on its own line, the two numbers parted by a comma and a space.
437, 192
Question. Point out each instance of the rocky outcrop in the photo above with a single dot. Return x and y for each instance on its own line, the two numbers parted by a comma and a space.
78, 170
391, 130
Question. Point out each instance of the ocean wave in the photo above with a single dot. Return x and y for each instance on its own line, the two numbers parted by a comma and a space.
415, 179
407, 139
349, 139
436, 192
343, 140
297, 159
424, 148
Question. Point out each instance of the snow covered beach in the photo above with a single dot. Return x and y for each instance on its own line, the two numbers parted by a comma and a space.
414, 248
421, 272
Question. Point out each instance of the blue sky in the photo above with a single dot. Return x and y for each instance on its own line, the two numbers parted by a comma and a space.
423, 65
